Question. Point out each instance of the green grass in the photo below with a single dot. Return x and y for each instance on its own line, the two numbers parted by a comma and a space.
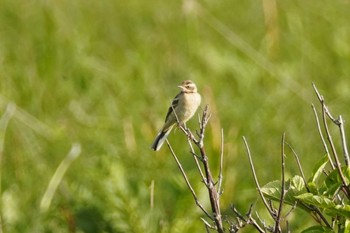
102, 73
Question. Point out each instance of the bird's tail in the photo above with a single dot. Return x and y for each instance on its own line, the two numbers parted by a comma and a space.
160, 139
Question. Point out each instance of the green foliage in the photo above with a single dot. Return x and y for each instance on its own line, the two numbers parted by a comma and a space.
317, 229
318, 170
312, 199
294, 186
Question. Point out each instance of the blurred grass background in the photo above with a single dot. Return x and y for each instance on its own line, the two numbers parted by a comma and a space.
102, 74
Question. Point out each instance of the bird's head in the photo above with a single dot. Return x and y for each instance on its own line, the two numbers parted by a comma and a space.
188, 86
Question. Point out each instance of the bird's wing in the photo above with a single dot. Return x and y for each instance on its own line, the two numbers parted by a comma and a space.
173, 106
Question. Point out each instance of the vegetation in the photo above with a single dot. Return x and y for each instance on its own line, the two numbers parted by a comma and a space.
324, 196
85, 85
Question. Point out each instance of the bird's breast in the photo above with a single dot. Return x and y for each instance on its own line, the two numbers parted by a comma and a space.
189, 106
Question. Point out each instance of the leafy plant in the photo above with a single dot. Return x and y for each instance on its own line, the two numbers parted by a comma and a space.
324, 195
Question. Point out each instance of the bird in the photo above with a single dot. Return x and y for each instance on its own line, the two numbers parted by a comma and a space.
185, 105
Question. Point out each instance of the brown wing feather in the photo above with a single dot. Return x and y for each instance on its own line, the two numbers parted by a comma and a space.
172, 106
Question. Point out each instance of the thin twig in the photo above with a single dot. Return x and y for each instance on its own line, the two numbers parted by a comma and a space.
210, 184
195, 157
291, 209
262, 222
187, 181
317, 214
213, 194
239, 215
250, 220
221, 162
207, 225
283, 189
256, 179
330, 141
343, 141
322, 138
339, 122
208, 179
328, 113
205, 118
299, 166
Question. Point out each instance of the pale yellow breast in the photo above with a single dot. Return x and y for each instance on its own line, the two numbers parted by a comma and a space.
188, 106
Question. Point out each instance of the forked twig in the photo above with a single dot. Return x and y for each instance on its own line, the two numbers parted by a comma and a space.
195, 157
187, 181
250, 220
210, 184
206, 176
322, 138
325, 113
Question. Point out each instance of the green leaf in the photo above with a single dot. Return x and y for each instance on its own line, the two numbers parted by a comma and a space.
342, 210
294, 187
347, 225
297, 184
318, 169
316, 200
333, 178
272, 190
317, 229
329, 207
333, 182
330, 189
313, 188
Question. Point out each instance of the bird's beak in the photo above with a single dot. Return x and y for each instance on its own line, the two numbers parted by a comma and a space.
181, 87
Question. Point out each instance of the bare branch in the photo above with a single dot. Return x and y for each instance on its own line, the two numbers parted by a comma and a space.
299, 166
204, 121
315, 209
207, 225
343, 141
220, 191
340, 123
195, 157
250, 220
330, 141
213, 194
283, 190
291, 209
187, 181
206, 176
322, 138
214, 197
256, 179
